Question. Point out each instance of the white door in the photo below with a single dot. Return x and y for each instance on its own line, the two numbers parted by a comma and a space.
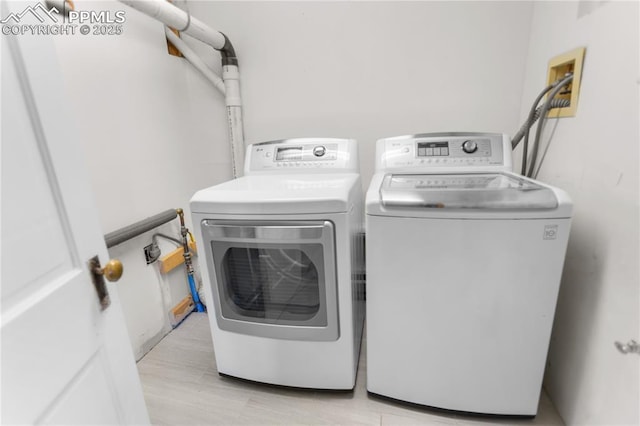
65, 360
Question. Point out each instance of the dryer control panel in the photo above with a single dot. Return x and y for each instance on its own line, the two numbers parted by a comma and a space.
459, 152
303, 155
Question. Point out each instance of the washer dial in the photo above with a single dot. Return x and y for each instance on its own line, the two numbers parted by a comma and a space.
319, 151
470, 146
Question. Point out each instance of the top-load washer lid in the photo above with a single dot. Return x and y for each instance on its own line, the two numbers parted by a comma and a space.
492, 191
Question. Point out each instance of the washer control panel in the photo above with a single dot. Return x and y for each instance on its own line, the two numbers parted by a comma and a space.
302, 155
457, 151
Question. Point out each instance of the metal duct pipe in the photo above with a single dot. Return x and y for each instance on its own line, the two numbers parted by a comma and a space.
128, 232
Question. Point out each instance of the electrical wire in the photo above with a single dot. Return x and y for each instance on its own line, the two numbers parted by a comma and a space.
545, 109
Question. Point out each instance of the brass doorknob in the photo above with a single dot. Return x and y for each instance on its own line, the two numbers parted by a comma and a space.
112, 271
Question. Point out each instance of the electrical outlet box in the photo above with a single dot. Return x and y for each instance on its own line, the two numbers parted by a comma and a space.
560, 65
151, 253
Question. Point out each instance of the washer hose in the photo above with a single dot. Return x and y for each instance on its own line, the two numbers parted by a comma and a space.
555, 103
558, 84
543, 113
188, 263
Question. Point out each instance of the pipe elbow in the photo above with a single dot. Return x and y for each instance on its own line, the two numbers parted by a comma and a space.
228, 52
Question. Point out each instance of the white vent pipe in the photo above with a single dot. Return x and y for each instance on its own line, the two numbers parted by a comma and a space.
174, 17
195, 60
231, 77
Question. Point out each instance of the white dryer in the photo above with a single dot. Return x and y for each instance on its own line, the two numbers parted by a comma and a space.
282, 264
464, 260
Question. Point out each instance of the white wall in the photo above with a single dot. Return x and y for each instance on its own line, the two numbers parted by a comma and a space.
594, 156
373, 69
146, 147
155, 131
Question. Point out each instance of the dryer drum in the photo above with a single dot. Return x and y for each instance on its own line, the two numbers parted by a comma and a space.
272, 283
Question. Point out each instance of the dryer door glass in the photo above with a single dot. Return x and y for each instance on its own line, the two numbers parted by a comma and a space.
273, 284
274, 279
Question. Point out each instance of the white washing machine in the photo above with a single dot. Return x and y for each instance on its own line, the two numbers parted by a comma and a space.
282, 255
464, 260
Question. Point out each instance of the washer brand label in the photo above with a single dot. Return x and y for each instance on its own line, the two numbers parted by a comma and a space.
550, 232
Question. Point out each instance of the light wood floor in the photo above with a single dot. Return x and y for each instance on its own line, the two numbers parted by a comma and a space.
181, 386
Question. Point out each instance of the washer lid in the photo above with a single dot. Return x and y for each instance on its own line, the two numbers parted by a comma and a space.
492, 191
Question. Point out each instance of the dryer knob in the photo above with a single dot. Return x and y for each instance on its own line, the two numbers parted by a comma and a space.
469, 146
319, 151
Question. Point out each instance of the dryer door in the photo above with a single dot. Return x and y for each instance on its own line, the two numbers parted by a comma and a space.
274, 279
